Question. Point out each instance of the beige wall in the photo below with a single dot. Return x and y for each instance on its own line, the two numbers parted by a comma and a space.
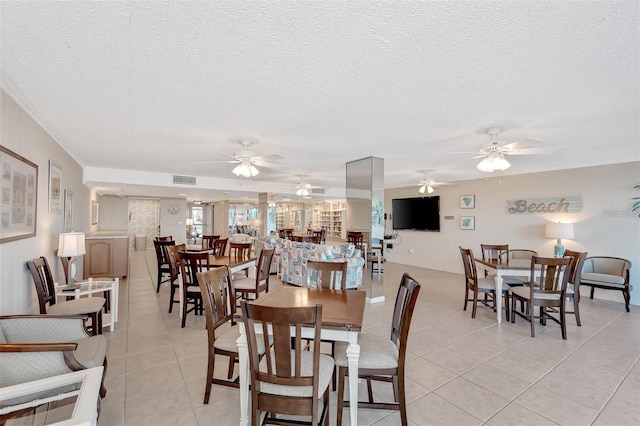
603, 189
21, 134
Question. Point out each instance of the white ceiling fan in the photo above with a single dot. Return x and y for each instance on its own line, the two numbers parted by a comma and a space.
493, 154
427, 183
303, 188
247, 160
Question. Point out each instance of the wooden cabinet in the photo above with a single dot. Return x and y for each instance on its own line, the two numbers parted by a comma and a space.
106, 257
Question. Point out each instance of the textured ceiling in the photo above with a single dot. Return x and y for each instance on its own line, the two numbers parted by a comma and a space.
158, 86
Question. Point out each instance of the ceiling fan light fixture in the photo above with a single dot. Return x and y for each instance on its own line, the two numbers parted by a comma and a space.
493, 162
245, 169
302, 192
426, 187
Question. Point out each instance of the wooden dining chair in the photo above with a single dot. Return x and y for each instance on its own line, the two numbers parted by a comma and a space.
517, 254
478, 286
220, 246
161, 259
192, 262
549, 296
173, 257
247, 286
289, 380
219, 308
208, 241
573, 284
357, 239
46, 291
166, 238
326, 274
316, 237
382, 359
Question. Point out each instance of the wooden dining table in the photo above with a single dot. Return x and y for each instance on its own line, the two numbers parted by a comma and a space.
342, 317
501, 268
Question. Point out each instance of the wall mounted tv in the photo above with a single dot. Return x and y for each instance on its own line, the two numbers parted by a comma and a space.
420, 214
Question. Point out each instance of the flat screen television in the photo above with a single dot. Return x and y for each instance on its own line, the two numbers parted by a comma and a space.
420, 214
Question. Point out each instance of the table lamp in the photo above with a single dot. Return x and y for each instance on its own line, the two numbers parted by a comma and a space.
559, 231
70, 245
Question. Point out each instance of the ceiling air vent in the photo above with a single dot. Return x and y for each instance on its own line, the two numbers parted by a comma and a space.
317, 190
184, 180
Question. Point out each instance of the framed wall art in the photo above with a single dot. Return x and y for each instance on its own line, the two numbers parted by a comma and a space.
55, 188
68, 210
94, 212
468, 202
19, 198
468, 223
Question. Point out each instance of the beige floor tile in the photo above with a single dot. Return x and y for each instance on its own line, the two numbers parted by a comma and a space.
188, 418
427, 374
156, 405
497, 381
472, 398
152, 378
555, 406
514, 414
432, 409
143, 360
112, 414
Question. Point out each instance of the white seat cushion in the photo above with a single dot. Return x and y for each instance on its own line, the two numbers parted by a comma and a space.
226, 338
525, 292
84, 305
606, 279
375, 352
489, 284
245, 284
91, 351
325, 372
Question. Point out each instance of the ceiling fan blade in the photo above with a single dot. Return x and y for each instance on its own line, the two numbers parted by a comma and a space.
218, 161
522, 143
531, 151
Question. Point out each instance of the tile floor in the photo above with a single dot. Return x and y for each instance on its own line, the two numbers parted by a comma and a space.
460, 371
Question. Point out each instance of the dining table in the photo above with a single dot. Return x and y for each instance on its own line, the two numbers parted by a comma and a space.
501, 268
342, 317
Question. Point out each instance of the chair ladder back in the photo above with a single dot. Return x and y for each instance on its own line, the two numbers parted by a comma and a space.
220, 246
576, 266
470, 271
554, 274
403, 311
327, 274
264, 264
217, 297
43, 280
284, 362
239, 251
494, 251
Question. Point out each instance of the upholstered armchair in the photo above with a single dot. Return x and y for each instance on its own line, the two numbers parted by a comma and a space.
39, 346
609, 273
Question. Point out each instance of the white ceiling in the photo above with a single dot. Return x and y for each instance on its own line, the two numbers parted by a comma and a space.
139, 91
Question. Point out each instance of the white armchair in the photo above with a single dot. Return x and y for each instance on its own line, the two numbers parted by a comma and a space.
609, 273
34, 347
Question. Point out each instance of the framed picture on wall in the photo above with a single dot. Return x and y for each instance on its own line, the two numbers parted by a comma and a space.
468, 223
68, 210
55, 188
19, 197
94, 212
468, 202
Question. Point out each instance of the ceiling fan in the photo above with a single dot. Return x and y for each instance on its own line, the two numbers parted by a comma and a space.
427, 184
247, 160
493, 154
303, 189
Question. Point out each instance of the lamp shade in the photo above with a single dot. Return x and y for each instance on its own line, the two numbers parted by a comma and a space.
71, 244
189, 221
559, 230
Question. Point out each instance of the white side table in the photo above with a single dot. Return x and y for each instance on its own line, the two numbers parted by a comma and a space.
89, 288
